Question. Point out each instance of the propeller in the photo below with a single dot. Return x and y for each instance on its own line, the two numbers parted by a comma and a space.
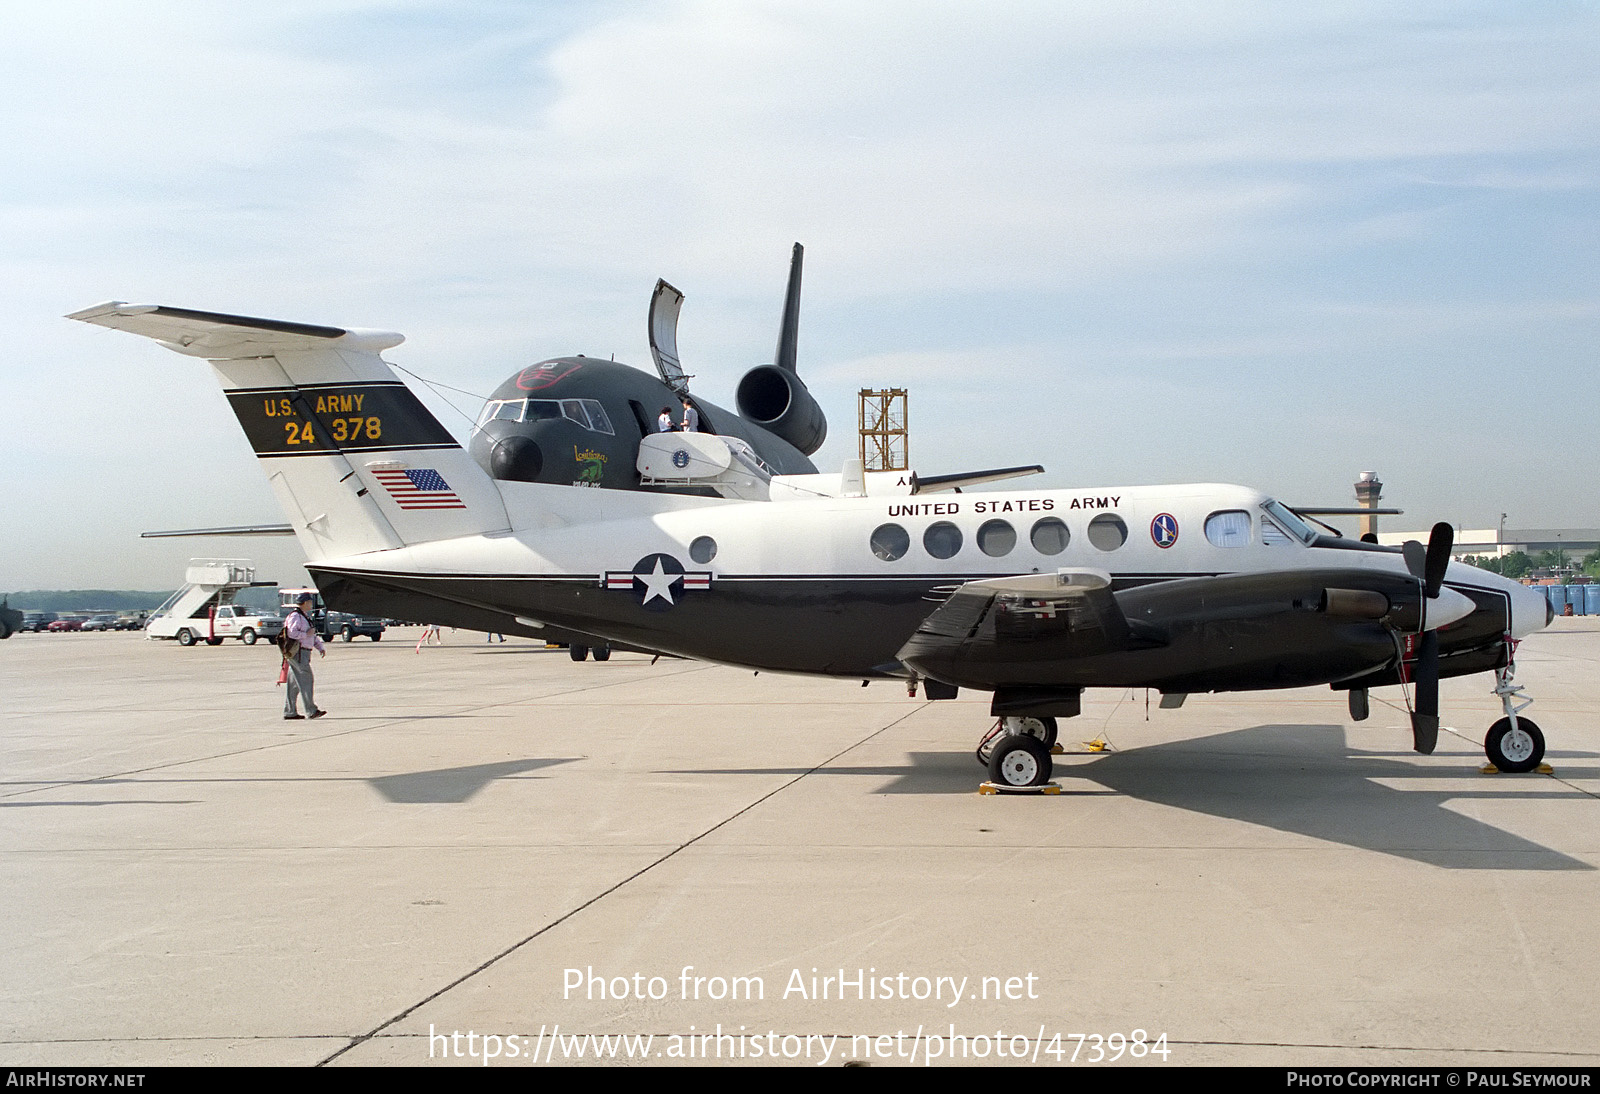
1428, 565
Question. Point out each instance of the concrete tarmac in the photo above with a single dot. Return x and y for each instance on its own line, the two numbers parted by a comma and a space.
493, 849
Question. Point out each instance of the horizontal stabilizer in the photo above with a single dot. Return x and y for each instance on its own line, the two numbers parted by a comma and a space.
219, 337
931, 484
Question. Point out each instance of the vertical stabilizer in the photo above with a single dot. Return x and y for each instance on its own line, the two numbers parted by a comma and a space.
786, 356
357, 462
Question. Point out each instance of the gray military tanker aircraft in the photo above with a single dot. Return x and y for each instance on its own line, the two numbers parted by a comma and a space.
1031, 596
578, 420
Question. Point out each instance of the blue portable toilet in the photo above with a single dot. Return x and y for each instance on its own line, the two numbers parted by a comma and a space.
1557, 595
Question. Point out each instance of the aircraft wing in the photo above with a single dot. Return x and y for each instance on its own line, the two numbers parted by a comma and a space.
234, 530
220, 337
929, 484
1073, 611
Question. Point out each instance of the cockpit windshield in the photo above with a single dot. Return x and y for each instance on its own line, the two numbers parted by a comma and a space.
585, 412
1285, 518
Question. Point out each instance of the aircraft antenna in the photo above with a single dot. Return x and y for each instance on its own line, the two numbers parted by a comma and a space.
434, 386
885, 443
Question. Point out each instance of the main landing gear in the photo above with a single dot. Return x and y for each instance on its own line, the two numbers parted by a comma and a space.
1016, 750
600, 653
1514, 744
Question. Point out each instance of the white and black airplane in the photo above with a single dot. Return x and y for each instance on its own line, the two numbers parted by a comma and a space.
1029, 595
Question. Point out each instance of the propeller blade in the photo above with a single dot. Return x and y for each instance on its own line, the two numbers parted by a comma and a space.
1428, 565
1425, 715
1438, 558
1416, 558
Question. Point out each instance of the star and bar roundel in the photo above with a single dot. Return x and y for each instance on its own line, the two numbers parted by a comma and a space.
660, 579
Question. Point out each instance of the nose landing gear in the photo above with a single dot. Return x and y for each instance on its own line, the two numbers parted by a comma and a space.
1514, 744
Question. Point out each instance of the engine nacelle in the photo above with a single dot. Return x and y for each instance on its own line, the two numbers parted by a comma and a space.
776, 400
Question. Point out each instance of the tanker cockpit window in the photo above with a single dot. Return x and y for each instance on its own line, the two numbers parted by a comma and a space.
598, 421
585, 412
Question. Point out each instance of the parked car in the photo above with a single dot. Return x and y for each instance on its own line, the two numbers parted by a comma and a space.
348, 626
37, 621
66, 625
100, 623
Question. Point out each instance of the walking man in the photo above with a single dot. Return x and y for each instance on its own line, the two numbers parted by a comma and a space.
299, 639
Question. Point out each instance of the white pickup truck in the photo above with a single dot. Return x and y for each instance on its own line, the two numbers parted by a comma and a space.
228, 621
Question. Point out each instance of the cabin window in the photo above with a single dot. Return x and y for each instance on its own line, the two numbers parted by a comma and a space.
996, 538
890, 541
1050, 536
1107, 532
1229, 528
703, 549
942, 539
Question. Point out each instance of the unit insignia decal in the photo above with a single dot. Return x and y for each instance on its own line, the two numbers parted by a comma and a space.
660, 579
536, 377
1164, 530
680, 458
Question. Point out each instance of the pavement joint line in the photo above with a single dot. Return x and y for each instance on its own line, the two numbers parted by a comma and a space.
1519, 1053
515, 946
324, 736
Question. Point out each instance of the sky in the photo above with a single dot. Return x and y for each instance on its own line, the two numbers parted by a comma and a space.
1260, 243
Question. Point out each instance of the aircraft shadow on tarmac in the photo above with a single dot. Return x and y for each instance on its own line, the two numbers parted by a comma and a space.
1293, 778
453, 784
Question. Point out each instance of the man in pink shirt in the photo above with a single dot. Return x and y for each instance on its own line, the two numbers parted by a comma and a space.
300, 638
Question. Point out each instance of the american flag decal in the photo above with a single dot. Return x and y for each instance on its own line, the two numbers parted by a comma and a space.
420, 488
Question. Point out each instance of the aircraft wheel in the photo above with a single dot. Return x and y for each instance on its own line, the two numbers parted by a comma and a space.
247, 636
1040, 728
1359, 705
185, 637
578, 653
1514, 750
602, 653
1020, 759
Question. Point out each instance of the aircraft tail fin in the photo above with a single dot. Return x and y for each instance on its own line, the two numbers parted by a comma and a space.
787, 355
357, 462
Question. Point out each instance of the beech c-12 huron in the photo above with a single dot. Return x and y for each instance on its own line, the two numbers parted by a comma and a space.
723, 546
